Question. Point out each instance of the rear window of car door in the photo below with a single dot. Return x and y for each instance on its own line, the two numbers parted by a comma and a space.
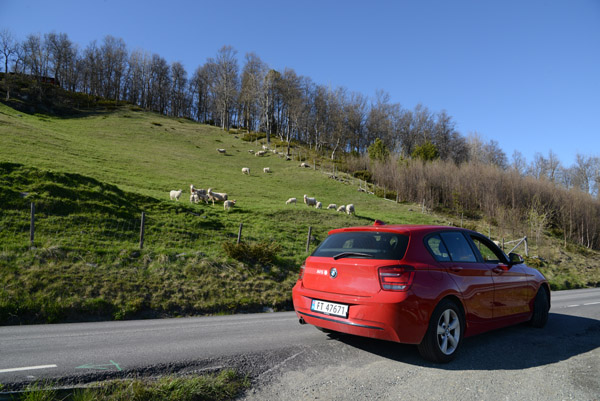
458, 247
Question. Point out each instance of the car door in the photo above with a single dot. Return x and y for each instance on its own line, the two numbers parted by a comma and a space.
511, 289
474, 279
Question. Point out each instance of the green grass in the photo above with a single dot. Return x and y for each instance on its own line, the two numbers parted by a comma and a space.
226, 385
92, 175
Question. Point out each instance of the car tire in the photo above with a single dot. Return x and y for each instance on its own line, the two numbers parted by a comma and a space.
444, 334
541, 307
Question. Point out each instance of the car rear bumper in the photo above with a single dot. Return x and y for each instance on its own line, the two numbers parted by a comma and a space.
385, 316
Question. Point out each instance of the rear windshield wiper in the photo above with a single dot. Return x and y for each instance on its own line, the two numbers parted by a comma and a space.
347, 254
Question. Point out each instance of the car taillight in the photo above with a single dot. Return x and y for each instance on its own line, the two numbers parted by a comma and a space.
396, 278
301, 274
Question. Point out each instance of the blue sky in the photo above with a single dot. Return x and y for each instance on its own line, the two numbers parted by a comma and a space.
524, 73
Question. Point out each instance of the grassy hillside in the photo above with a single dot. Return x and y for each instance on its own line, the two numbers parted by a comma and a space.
90, 178
93, 174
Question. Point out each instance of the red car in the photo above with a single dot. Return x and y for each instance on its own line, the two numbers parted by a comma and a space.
424, 285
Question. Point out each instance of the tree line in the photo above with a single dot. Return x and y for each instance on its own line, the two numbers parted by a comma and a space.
421, 145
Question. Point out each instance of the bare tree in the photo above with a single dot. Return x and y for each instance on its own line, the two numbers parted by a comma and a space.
226, 84
519, 163
253, 75
8, 50
178, 90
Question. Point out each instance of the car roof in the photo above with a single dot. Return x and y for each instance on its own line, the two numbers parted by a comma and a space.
398, 228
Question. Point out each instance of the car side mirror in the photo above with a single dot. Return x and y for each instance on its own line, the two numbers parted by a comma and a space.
515, 258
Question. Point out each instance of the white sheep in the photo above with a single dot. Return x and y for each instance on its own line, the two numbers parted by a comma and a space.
250, 151
228, 204
304, 165
291, 200
342, 209
260, 153
222, 151
350, 208
310, 201
319, 205
266, 170
216, 196
265, 147
175, 194
332, 206
194, 198
246, 170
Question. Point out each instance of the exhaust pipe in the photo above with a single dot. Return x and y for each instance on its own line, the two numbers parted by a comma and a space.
301, 321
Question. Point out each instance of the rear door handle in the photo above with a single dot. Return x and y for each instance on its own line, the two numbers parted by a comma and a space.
456, 269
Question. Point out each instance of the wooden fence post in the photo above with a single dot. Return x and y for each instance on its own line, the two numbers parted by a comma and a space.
142, 224
239, 238
526, 248
308, 239
32, 226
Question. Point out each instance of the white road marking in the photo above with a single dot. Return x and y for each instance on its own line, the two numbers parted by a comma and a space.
592, 303
571, 306
27, 368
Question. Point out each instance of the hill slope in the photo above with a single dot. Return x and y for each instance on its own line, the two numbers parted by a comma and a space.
91, 176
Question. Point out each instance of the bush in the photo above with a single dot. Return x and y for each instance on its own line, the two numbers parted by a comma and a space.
253, 136
364, 175
261, 252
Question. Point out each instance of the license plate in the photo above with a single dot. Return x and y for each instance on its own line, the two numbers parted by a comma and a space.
329, 308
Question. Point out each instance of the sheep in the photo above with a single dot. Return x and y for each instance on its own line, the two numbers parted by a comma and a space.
342, 209
228, 204
260, 153
222, 151
265, 147
175, 194
266, 170
194, 198
310, 201
332, 206
319, 205
246, 170
291, 200
250, 151
304, 165
203, 197
216, 196
350, 208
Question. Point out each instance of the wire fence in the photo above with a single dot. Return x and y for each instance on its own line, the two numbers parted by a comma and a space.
20, 229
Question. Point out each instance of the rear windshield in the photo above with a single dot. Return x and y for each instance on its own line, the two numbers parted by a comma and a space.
363, 245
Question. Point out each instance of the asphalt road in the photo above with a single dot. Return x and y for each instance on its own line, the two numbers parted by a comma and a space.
288, 361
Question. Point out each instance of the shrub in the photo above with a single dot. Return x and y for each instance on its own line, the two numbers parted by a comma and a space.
253, 136
261, 252
363, 175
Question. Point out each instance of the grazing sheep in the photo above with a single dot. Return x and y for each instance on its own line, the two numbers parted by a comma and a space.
310, 201
266, 170
216, 196
342, 209
319, 205
250, 151
194, 198
265, 147
332, 206
222, 151
260, 153
350, 208
228, 204
175, 194
304, 165
291, 200
246, 170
